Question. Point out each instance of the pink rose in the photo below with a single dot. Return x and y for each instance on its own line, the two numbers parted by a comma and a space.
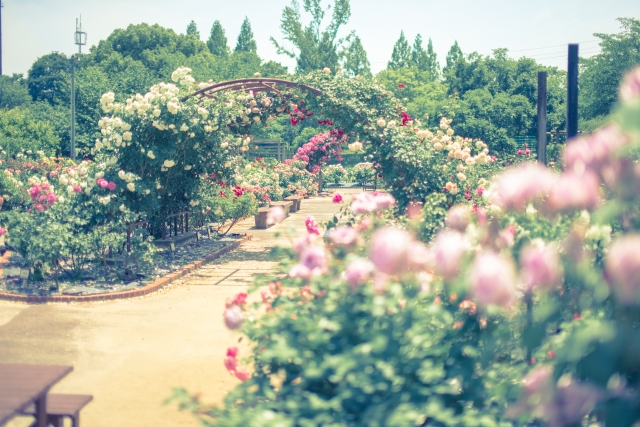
303, 241
575, 192
231, 363
493, 280
383, 200
312, 225
314, 257
112, 186
449, 248
3, 231
300, 271
103, 183
541, 266
388, 250
458, 217
242, 374
622, 268
233, 317
516, 187
51, 198
275, 215
344, 236
77, 189
337, 198
363, 203
358, 272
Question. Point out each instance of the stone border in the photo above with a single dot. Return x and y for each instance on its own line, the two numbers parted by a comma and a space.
149, 288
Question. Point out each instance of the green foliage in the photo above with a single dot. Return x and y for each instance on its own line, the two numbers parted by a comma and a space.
316, 48
601, 73
401, 57
13, 92
355, 58
20, 130
47, 77
217, 42
192, 30
246, 42
223, 206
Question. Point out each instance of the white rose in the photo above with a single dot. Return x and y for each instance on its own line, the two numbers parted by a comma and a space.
122, 208
224, 144
326, 70
126, 136
184, 127
169, 163
156, 112
151, 155
147, 191
381, 122
188, 167
131, 186
247, 167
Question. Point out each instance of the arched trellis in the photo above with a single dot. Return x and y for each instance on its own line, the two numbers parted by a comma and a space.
255, 85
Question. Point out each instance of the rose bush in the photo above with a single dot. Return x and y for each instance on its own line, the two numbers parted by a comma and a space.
524, 311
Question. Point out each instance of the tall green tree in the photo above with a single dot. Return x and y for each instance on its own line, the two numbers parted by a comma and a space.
246, 43
419, 56
192, 30
314, 47
13, 91
47, 75
217, 42
433, 66
601, 74
453, 56
401, 55
355, 58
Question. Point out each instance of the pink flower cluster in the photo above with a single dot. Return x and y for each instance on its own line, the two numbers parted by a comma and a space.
320, 149
42, 196
103, 183
371, 202
233, 315
312, 259
231, 363
312, 225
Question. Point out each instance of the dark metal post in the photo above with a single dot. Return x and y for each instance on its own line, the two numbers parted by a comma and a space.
572, 92
1, 6
542, 118
73, 107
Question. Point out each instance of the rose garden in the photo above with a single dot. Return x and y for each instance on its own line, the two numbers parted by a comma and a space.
471, 286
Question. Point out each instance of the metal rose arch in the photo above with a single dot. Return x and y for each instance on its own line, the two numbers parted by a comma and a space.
255, 85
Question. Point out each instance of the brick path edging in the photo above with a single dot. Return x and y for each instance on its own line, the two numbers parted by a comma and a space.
154, 286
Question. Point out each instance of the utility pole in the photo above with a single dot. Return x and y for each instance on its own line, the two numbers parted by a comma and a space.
542, 118
572, 92
80, 39
1, 6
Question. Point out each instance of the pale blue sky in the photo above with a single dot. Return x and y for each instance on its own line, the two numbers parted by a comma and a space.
32, 28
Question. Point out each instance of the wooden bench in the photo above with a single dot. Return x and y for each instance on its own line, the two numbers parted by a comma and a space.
297, 201
285, 205
261, 218
63, 405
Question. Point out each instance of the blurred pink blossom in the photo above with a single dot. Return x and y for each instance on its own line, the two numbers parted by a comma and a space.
275, 215
630, 87
516, 187
458, 217
233, 317
493, 281
574, 192
300, 271
388, 250
622, 267
314, 258
303, 241
449, 248
242, 374
312, 225
344, 236
337, 198
541, 266
358, 272
592, 152
363, 203
419, 257
231, 363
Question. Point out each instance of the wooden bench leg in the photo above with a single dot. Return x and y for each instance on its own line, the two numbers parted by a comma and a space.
56, 420
75, 420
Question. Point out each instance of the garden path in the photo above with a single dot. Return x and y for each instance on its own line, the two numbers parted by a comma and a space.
129, 354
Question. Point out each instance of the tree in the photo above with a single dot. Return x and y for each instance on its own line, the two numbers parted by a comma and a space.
453, 56
401, 55
419, 57
355, 59
20, 130
433, 66
192, 30
47, 75
601, 74
246, 43
217, 42
316, 48
13, 91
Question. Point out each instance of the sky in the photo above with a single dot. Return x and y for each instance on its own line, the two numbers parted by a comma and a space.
540, 29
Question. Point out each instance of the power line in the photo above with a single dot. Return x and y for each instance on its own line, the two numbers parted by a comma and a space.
563, 53
558, 45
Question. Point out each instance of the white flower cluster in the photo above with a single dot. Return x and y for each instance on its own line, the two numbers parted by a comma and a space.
107, 100
181, 75
458, 147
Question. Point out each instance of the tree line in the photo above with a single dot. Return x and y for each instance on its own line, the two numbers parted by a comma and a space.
492, 97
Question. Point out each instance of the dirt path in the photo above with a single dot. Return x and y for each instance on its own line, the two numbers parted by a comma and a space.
129, 354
